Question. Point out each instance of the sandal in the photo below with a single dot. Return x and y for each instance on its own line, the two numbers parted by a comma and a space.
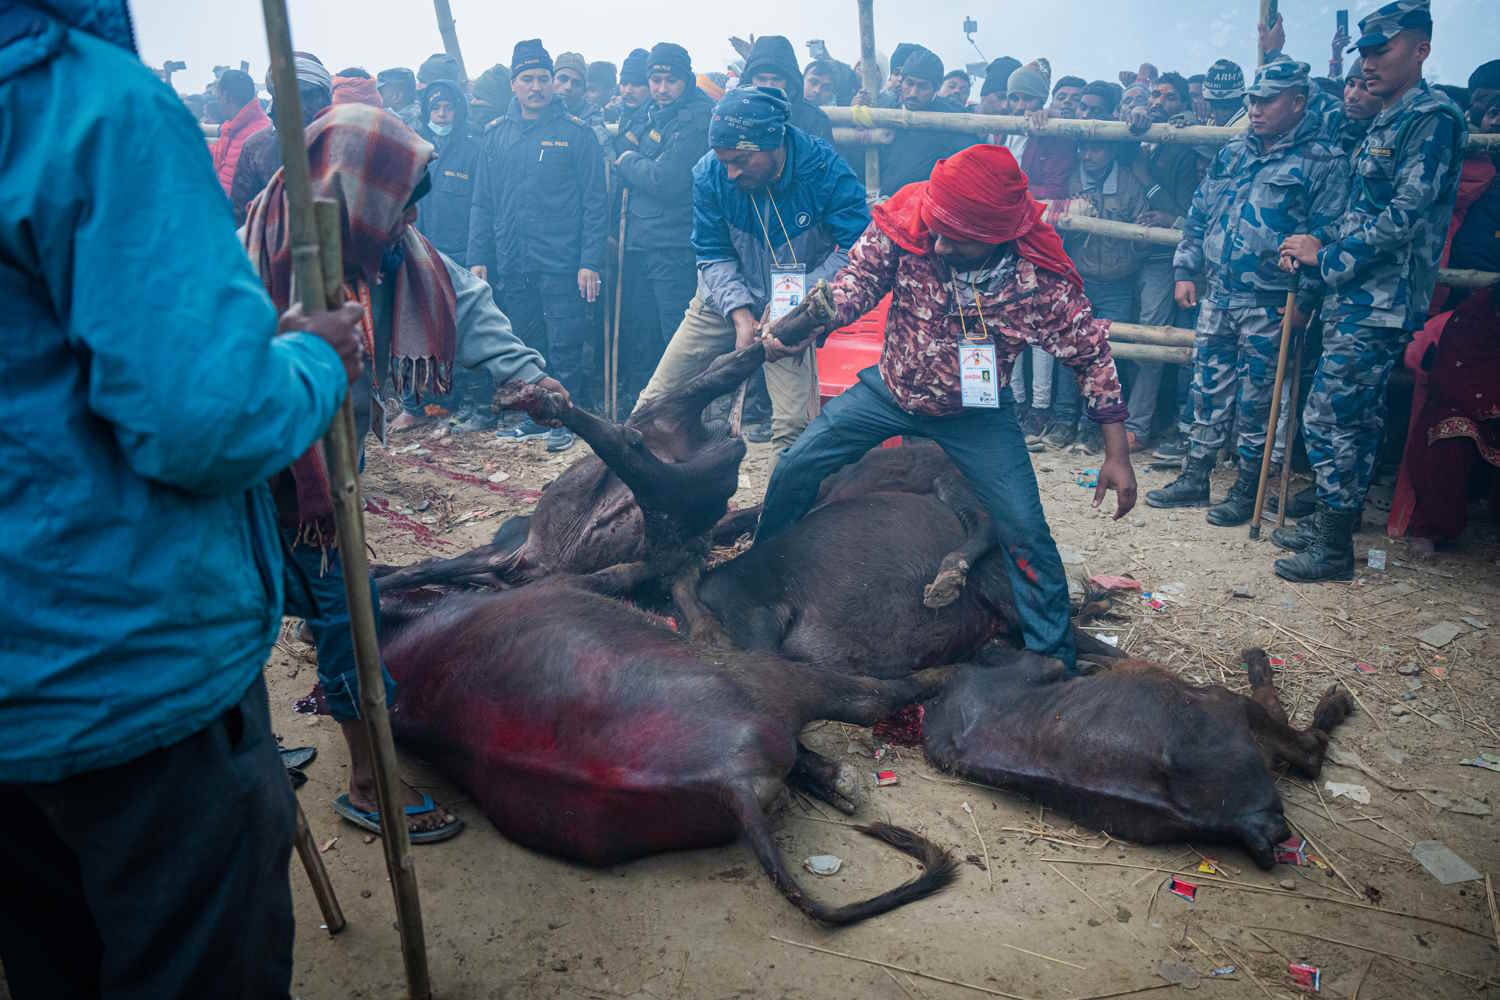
370, 819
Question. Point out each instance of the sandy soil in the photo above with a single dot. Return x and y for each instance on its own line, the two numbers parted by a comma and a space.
1066, 916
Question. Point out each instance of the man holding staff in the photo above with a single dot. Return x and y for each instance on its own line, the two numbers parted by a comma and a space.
149, 821
1280, 178
1380, 266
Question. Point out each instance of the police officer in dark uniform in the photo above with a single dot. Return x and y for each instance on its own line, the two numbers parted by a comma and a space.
537, 228
661, 270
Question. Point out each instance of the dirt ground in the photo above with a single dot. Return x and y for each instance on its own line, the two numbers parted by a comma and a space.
1070, 912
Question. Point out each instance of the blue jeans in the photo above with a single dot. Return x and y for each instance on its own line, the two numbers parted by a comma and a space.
987, 446
315, 592
1112, 300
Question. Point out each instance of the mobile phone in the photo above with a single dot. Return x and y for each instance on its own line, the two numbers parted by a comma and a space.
1271, 15
1343, 22
970, 25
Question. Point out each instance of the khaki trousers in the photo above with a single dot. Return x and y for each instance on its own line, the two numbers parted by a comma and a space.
704, 335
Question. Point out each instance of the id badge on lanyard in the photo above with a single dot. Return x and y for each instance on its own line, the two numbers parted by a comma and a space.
978, 375
788, 286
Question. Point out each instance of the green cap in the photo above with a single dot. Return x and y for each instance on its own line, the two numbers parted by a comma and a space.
1277, 75
1389, 21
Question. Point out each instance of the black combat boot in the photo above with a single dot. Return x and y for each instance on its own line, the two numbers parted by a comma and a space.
1330, 556
1299, 504
1297, 537
1188, 490
1239, 505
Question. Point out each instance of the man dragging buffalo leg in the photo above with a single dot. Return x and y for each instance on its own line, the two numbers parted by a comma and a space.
421, 311
975, 276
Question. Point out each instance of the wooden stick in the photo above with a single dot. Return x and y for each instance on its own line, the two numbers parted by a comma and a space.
612, 340
1291, 435
871, 78
1489, 895
1385, 953
1249, 887
317, 874
988, 871
1265, 458
340, 451
900, 968
448, 28
1045, 958
1327, 858
1360, 982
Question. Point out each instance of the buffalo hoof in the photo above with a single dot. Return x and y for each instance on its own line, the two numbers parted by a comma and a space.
948, 584
846, 790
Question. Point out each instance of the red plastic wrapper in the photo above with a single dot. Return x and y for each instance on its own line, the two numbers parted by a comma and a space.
1186, 890
1292, 851
886, 778
1309, 978
903, 729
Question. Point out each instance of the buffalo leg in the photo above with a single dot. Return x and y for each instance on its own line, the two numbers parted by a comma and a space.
697, 620
864, 701
826, 779
487, 566
979, 538
1300, 749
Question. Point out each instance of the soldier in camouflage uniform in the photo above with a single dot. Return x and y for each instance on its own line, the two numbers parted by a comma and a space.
1380, 271
1282, 177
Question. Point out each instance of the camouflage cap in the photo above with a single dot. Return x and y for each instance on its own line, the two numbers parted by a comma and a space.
1277, 75
1225, 81
1389, 21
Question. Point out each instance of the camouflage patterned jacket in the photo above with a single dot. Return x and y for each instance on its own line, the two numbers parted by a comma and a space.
1249, 201
1383, 263
1021, 304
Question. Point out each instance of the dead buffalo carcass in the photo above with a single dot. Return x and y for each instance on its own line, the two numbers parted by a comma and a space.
585, 729
1133, 750
641, 506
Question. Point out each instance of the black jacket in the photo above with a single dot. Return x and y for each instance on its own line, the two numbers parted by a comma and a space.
913, 154
443, 216
774, 54
658, 170
539, 197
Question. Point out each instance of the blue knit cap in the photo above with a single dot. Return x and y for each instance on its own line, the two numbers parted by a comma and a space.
529, 54
749, 118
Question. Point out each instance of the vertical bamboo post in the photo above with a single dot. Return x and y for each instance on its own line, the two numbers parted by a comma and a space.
1291, 431
448, 28
871, 86
341, 453
612, 333
1265, 458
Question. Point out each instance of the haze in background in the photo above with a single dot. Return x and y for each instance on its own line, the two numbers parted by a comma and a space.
1090, 38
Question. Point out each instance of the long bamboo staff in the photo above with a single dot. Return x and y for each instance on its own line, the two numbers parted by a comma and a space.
312, 287
1265, 458
1291, 432
612, 334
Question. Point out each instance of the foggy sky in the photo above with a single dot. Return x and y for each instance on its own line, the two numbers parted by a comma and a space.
1094, 39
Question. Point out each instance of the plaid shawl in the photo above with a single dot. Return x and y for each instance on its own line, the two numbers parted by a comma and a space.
370, 163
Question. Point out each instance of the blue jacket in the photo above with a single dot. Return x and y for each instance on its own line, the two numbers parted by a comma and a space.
147, 400
818, 200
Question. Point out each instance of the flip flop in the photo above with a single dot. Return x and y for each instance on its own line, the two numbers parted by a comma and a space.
297, 758
370, 820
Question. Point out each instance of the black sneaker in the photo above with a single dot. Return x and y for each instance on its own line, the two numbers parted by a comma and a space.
526, 430
1059, 434
1091, 439
1034, 424
1173, 449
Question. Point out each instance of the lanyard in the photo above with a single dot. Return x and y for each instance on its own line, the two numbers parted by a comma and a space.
983, 326
786, 236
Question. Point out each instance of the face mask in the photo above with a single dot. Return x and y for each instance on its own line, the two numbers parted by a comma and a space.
440, 130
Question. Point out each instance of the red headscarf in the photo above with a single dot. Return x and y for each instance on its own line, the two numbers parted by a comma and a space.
979, 194
370, 163
356, 90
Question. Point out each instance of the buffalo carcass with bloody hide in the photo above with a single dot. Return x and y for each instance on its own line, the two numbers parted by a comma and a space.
1132, 750
585, 729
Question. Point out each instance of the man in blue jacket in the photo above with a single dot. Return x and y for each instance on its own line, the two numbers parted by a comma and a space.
768, 200
148, 820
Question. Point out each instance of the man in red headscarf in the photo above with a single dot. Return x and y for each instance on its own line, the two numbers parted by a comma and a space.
975, 276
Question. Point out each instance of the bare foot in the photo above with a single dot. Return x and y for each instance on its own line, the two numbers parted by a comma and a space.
948, 584
362, 784
405, 421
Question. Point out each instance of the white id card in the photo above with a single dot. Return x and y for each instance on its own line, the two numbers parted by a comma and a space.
976, 375
788, 286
